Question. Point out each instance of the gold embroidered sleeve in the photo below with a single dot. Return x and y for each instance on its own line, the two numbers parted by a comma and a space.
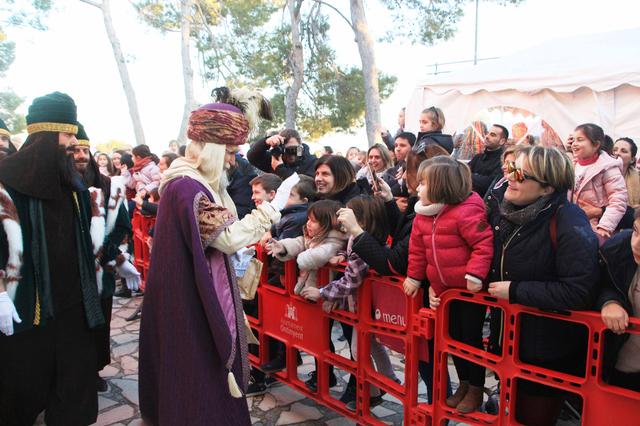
212, 220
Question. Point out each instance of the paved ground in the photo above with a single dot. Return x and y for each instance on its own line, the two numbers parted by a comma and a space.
280, 406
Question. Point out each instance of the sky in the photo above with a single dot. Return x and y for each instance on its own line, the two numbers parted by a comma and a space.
75, 56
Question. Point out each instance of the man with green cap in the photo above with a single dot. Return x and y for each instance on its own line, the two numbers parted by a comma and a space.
110, 231
49, 298
6, 146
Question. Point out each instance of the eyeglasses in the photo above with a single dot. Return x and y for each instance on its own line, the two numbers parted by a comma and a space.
519, 174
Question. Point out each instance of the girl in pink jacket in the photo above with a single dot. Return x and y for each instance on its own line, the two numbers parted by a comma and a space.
145, 175
599, 181
451, 245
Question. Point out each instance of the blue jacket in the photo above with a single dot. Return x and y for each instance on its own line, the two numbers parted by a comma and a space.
558, 275
291, 223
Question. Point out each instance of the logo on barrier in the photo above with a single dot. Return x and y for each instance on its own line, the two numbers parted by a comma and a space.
378, 314
291, 312
289, 323
394, 319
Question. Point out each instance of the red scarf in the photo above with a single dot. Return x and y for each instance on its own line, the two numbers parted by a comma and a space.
589, 161
139, 165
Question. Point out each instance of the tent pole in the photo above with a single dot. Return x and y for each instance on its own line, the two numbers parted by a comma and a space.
475, 49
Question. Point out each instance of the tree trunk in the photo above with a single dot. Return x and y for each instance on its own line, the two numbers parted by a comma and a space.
124, 74
369, 71
296, 62
187, 70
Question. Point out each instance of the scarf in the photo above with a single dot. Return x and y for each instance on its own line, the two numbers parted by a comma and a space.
589, 161
428, 210
182, 167
139, 165
512, 216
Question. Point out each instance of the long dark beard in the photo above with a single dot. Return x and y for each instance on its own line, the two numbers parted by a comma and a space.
89, 175
69, 176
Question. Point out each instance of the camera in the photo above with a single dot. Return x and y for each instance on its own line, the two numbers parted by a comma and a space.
276, 151
279, 150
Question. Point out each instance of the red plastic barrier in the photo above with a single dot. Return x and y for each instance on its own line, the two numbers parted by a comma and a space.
602, 404
141, 225
303, 327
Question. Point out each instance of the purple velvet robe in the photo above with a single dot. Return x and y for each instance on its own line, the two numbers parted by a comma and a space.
191, 315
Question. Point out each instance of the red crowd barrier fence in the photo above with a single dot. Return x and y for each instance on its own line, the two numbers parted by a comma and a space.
402, 324
142, 254
304, 327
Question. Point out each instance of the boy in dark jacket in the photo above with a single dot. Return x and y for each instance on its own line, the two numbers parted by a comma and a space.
294, 215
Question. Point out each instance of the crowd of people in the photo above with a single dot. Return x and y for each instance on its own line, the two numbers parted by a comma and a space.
540, 226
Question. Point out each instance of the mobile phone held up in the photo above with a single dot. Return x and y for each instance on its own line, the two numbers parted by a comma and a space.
374, 178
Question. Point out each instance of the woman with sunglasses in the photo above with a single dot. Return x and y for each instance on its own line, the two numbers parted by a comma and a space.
545, 256
431, 125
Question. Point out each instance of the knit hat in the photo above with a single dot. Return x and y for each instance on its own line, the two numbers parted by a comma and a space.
82, 137
55, 112
231, 119
4, 130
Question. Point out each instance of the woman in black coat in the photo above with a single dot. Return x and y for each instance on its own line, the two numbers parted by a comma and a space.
545, 256
619, 300
335, 180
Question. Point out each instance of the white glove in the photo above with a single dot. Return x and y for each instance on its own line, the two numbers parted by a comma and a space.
8, 314
130, 274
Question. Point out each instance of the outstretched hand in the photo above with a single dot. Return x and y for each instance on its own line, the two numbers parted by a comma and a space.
310, 293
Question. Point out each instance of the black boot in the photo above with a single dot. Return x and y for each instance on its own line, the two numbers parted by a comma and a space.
279, 363
123, 292
101, 384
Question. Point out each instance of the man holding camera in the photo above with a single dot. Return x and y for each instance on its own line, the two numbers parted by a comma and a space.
282, 154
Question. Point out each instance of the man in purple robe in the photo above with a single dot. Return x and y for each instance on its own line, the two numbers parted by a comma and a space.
193, 361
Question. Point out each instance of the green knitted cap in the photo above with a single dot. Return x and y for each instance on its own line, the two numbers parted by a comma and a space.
81, 136
55, 112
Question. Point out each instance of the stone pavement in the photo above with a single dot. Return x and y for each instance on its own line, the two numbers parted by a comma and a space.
280, 406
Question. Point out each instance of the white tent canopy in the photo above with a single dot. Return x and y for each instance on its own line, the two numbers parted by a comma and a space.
594, 78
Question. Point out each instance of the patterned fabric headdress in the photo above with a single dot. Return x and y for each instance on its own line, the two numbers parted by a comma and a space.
233, 117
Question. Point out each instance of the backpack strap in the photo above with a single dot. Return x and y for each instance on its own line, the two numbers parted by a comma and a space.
553, 229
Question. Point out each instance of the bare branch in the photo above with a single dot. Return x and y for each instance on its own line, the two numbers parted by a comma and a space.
337, 11
92, 3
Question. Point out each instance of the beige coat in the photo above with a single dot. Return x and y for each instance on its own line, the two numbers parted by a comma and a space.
632, 179
310, 255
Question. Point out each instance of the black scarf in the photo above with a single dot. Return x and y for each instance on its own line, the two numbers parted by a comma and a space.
512, 216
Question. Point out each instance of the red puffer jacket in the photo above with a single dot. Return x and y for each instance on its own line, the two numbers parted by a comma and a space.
446, 245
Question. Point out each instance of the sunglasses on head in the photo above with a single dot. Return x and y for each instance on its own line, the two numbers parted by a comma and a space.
434, 110
519, 174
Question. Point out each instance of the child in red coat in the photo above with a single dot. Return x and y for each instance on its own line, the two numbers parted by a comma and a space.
451, 246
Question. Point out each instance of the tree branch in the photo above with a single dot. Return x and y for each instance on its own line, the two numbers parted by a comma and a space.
92, 3
337, 11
